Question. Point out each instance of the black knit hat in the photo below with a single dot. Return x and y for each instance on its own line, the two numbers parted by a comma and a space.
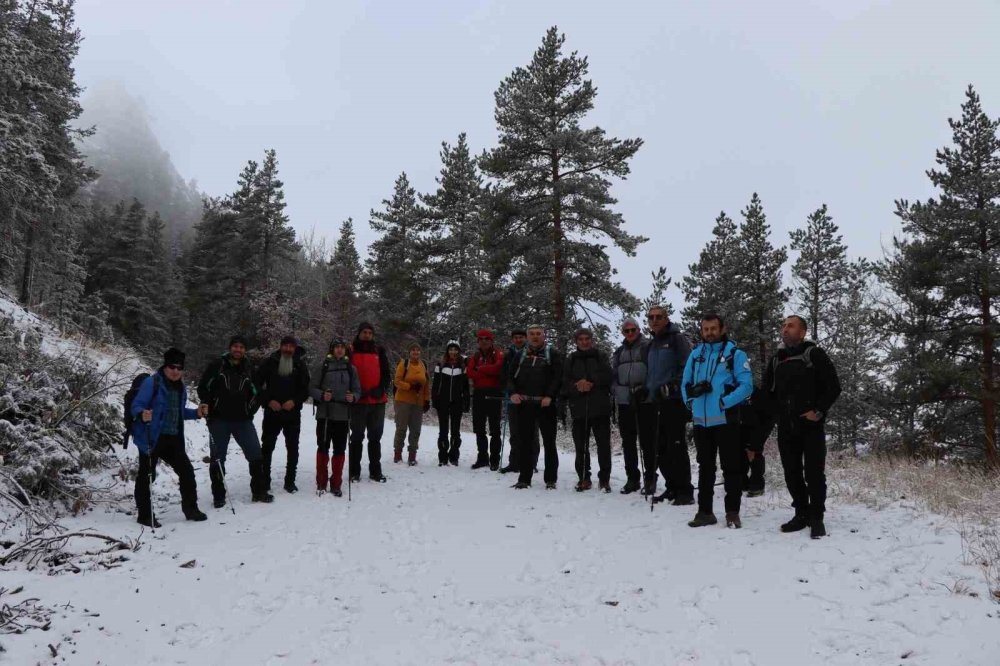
289, 340
173, 356
365, 325
237, 339
337, 341
584, 332
518, 331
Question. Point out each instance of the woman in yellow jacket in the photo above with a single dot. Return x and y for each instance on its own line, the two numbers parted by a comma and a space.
413, 399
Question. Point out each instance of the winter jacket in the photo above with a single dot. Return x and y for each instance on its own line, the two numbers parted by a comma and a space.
537, 372
143, 432
228, 390
486, 371
756, 420
629, 369
801, 379
727, 369
412, 383
450, 385
372, 364
668, 352
272, 386
593, 366
338, 377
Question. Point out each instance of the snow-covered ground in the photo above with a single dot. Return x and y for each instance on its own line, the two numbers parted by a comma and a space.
450, 565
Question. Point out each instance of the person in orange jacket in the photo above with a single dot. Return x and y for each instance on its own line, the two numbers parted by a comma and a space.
413, 399
486, 373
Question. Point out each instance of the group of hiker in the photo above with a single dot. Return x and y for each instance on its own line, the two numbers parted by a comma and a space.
650, 387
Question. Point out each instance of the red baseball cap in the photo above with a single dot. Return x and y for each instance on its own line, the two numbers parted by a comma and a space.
485, 333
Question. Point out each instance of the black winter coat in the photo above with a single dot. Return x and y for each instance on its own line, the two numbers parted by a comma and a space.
272, 386
800, 379
592, 365
756, 420
228, 390
536, 372
450, 385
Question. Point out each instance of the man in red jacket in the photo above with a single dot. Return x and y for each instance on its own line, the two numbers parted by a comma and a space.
368, 411
486, 372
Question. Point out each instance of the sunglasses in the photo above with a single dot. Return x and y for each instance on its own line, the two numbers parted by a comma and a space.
174, 366
626, 331
655, 317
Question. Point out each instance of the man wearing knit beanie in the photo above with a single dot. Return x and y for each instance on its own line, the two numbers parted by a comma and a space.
159, 410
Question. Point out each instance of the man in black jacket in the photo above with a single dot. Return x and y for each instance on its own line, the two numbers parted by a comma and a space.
227, 391
534, 386
283, 380
803, 385
518, 340
587, 386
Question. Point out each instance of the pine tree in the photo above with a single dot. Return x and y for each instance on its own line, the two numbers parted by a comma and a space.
396, 271
820, 273
554, 177
762, 298
345, 273
711, 284
456, 245
957, 237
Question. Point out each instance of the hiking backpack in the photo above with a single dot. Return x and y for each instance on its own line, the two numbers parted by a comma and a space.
130, 396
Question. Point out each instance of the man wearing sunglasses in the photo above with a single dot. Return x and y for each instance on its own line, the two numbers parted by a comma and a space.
636, 415
159, 411
669, 349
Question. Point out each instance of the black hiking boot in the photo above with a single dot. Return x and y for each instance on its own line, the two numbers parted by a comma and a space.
379, 478
480, 463
604, 486
337, 493
355, 478
263, 497
508, 469
550, 485
683, 500
290, 487
816, 528
630, 487
583, 485
521, 485
756, 492
149, 522
733, 519
649, 489
797, 523
219, 502
194, 513
703, 519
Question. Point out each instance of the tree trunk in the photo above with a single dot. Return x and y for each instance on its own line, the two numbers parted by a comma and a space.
29, 265
989, 396
558, 301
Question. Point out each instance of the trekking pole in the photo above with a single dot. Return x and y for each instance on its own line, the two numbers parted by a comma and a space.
152, 476
503, 427
638, 436
656, 444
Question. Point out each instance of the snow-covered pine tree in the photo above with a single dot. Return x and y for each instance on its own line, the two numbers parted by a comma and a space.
953, 244
554, 175
343, 300
712, 282
820, 272
762, 298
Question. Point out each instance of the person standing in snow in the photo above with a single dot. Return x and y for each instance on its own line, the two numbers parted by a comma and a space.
228, 392
486, 374
534, 386
803, 385
518, 341
668, 352
756, 424
334, 390
636, 413
159, 411
587, 386
368, 411
411, 402
717, 380
450, 398
283, 380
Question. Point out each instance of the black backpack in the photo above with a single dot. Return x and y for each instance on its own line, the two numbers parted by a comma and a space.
130, 395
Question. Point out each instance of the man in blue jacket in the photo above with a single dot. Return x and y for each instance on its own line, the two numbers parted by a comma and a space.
668, 352
717, 380
159, 411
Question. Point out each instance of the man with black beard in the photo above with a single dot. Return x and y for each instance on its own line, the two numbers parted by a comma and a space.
283, 380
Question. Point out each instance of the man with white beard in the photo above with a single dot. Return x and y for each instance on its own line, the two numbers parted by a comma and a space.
283, 379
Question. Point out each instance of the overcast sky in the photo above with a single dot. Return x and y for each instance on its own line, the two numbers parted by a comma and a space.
806, 102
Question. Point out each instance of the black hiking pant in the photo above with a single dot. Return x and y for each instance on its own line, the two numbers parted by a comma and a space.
600, 427
636, 424
486, 411
277, 423
753, 471
722, 441
533, 417
370, 419
803, 457
169, 449
449, 430
671, 456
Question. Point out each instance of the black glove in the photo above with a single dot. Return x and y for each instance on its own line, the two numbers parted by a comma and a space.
640, 393
415, 387
376, 393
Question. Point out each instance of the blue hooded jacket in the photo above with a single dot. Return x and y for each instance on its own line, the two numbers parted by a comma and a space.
665, 360
727, 369
158, 403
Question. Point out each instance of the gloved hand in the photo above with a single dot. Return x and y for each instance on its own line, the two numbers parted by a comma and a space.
416, 386
640, 393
